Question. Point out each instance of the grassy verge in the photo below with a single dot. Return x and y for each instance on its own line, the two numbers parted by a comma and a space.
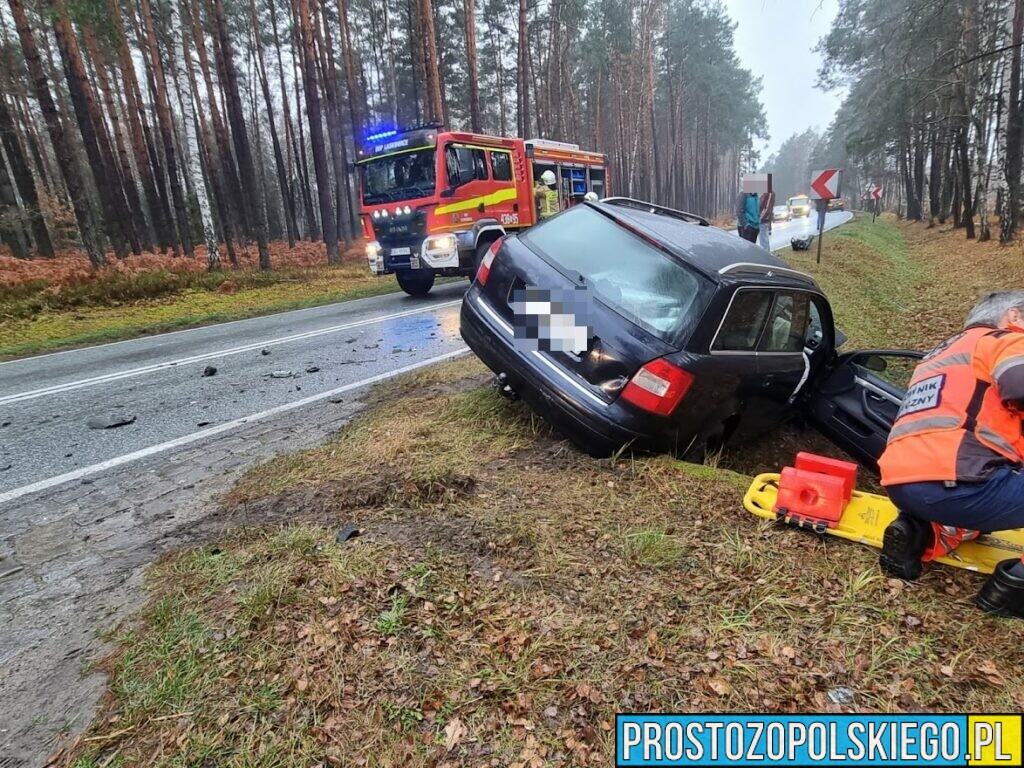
508, 596
37, 319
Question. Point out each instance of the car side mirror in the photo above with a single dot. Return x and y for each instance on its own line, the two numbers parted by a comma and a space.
875, 363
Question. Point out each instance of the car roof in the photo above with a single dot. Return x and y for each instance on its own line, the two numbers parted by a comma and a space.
718, 254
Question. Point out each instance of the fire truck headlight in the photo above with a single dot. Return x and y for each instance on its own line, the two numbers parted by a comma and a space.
383, 213
376, 214
375, 256
407, 210
445, 243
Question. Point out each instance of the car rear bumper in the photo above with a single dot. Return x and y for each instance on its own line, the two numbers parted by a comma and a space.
599, 429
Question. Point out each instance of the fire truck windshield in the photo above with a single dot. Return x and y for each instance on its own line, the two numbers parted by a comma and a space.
399, 176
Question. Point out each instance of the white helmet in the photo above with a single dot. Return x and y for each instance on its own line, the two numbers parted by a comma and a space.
590, 197
548, 178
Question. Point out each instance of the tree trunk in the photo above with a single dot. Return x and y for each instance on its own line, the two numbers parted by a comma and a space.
474, 73
124, 166
339, 153
522, 76
297, 80
291, 148
209, 158
166, 126
10, 215
238, 132
221, 152
116, 215
158, 209
282, 172
194, 133
434, 107
964, 155
24, 181
356, 99
1009, 212
316, 137
62, 146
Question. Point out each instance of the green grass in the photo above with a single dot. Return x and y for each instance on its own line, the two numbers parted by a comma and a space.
869, 276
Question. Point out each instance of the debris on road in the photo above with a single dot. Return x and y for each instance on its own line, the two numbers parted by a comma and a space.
312, 369
110, 421
5, 468
209, 371
265, 352
282, 374
204, 423
346, 533
12, 571
370, 346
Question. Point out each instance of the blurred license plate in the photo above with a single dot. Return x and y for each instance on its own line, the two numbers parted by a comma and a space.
401, 251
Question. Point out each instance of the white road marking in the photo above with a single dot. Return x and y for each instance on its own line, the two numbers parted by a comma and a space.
153, 367
127, 458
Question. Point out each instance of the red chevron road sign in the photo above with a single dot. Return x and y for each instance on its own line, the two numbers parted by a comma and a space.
825, 183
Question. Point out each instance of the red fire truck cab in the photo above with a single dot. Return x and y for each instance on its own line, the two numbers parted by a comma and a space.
433, 201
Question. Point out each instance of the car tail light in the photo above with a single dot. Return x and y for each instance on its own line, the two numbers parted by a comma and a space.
485, 263
658, 387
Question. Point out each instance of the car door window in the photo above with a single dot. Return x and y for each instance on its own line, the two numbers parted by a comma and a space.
895, 370
744, 320
786, 331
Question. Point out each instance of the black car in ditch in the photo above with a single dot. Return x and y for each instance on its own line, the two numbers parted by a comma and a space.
626, 323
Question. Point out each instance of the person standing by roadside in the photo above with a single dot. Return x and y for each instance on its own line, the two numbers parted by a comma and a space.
767, 206
748, 215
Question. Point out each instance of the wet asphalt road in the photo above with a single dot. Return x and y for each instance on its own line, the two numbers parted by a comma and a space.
782, 231
46, 401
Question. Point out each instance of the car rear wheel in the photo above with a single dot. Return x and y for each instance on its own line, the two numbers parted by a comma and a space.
415, 282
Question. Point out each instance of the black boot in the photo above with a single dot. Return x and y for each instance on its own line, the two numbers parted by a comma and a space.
903, 544
1003, 593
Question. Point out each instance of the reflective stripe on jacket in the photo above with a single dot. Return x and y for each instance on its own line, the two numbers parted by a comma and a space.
961, 418
548, 202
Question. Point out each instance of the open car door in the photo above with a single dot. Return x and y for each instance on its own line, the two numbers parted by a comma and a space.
856, 403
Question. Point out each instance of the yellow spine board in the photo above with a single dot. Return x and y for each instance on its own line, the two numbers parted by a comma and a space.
866, 516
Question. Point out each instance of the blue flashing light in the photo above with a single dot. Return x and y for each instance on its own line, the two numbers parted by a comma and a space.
381, 135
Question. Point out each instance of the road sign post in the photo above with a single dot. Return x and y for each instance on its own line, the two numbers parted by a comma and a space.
876, 201
825, 186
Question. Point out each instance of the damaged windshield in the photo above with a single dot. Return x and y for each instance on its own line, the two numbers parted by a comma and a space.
401, 176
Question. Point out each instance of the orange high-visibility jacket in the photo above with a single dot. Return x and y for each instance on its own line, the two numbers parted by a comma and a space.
961, 418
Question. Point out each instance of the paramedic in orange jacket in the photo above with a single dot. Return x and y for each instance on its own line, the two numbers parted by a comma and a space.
953, 464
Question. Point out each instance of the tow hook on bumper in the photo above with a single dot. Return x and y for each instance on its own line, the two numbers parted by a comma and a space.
504, 389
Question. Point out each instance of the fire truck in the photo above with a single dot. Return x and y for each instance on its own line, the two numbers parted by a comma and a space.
433, 201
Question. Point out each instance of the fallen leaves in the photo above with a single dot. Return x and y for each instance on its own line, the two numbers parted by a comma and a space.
454, 732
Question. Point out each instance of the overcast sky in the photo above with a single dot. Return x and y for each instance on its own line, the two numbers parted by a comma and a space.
774, 39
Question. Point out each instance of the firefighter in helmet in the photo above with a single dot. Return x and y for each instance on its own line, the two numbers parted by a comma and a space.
954, 464
546, 195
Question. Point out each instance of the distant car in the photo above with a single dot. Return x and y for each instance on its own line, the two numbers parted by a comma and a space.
836, 204
781, 213
800, 205
681, 336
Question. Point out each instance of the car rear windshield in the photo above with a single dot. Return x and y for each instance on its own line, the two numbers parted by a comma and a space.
643, 284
